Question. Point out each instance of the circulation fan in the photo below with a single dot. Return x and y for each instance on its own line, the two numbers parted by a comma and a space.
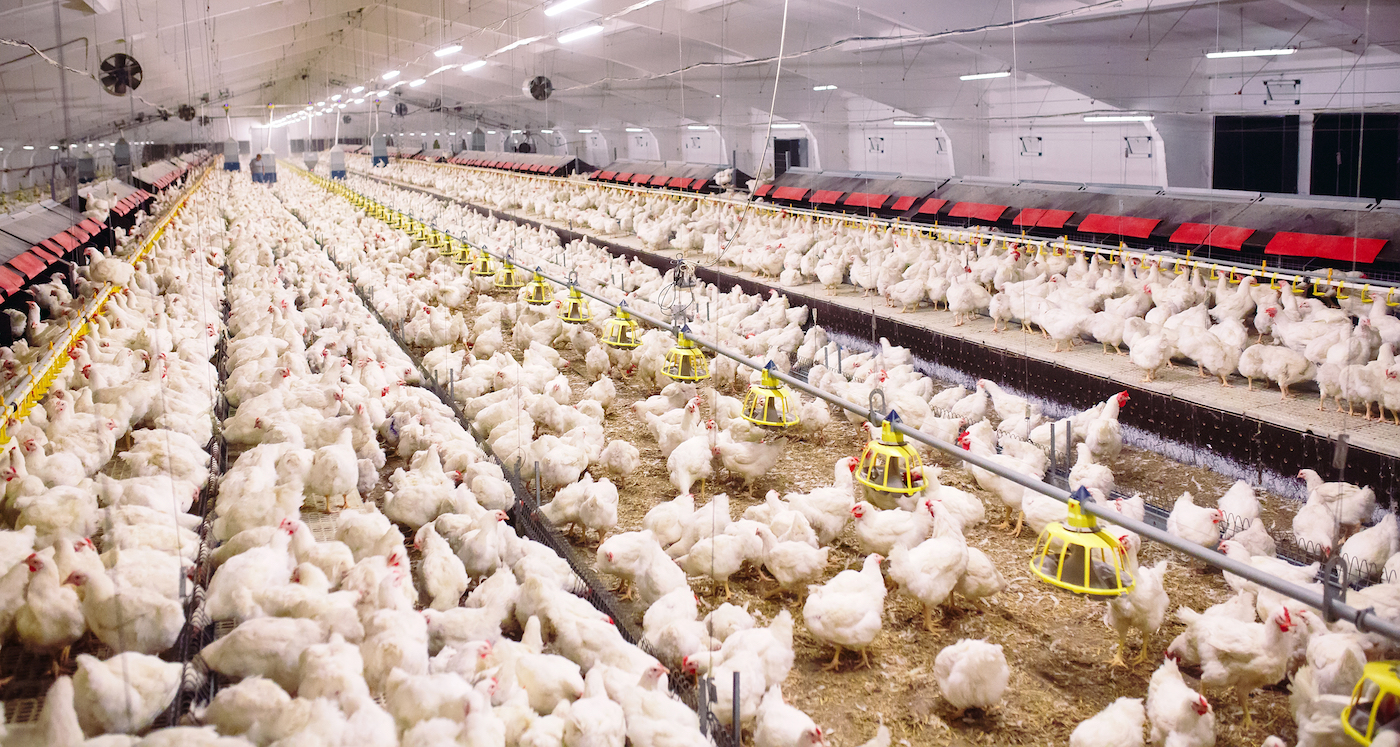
185, 112
345, 119
120, 74
401, 109
539, 87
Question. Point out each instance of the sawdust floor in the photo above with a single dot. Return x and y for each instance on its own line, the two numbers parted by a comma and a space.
1055, 642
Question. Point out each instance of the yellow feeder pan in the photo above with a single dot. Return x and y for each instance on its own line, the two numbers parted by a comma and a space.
685, 361
771, 403
538, 291
1080, 556
484, 267
575, 308
461, 254
509, 278
620, 330
1374, 703
888, 464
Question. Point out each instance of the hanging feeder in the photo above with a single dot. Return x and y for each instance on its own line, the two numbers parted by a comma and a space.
685, 361
575, 309
484, 267
1079, 556
771, 403
620, 330
889, 464
538, 291
508, 278
461, 253
1375, 703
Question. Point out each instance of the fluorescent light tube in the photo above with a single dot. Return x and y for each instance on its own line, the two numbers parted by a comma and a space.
635, 129
584, 132
447, 50
697, 127
391, 75
547, 132
418, 82
562, 6
582, 33
914, 123
985, 76
359, 101
787, 126
357, 89
335, 97
1249, 53
470, 66
1118, 118
823, 88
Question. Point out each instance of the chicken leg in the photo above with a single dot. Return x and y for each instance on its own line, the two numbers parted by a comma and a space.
1244, 706
1020, 519
1118, 652
835, 661
928, 622
1142, 655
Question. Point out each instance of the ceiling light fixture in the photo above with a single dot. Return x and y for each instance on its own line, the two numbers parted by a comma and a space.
697, 127
53, 147
582, 33
357, 89
584, 132
335, 97
824, 88
635, 129
1249, 53
914, 123
417, 82
1118, 118
490, 132
787, 126
447, 50
359, 101
985, 76
320, 103
562, 6
391, 75
547, 132
470, 66
385, 92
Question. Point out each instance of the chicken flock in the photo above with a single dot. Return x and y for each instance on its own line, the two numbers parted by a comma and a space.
369, 588
1266, 332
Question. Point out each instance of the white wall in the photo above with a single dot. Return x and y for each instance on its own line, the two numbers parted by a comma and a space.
922, 151
1075, 152
703, 146
596, 149
641, 146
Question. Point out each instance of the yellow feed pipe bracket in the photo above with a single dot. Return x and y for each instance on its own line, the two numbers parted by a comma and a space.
38, 378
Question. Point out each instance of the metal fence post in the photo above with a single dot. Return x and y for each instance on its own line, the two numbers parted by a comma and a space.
734, 725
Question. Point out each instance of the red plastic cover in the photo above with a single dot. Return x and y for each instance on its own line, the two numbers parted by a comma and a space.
679, 182
931, 206
903, 203
1042, 217
10, 282
827, 196
1120, 225
1325, 247
790, 193
1223, 237
866, 200
979, 210
29, 264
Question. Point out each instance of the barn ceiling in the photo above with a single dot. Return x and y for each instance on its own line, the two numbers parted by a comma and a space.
662, 63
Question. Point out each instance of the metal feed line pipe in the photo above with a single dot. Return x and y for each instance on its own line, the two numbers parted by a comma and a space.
1366, 620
